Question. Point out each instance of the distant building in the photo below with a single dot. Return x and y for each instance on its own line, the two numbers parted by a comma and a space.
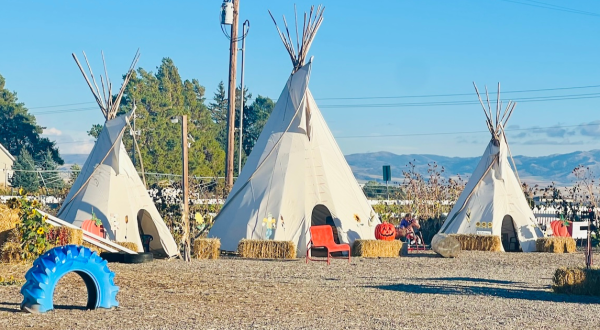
6, 163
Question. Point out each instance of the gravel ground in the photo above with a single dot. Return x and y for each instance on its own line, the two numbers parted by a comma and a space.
476, 290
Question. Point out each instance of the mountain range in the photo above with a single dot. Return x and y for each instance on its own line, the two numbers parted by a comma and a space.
533, 170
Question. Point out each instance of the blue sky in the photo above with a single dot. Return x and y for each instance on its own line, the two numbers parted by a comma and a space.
363, 50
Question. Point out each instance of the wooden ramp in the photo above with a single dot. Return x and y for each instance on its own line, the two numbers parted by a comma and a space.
95, 240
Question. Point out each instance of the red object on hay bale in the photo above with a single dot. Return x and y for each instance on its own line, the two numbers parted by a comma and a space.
91, 227
559, 229
385, 232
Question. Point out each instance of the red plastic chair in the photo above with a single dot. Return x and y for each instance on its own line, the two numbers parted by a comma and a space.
322, 237
91, 227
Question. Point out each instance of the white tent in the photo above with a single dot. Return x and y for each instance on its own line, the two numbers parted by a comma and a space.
110, 186
296, 176
493, 202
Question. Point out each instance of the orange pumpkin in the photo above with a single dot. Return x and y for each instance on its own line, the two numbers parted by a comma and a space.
559, 229
385, 232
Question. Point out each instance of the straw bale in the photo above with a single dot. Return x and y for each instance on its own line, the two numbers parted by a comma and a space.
11, 252
371, 248
556, 244
71, 235
446, 246
129, 245
471, 242
266, 249
577, 280
9, 218
207, 248
93, 248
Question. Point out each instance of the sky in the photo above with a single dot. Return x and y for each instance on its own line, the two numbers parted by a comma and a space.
378, 72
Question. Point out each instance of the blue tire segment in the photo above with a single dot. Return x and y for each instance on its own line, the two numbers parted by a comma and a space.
50, 267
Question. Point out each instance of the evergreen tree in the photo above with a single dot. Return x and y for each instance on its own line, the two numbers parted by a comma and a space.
52, 179
25, 175
218, 112
95, 131
255, 119
164, 95
19, 130
75, 169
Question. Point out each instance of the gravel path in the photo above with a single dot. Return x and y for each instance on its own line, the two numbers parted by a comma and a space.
477, 290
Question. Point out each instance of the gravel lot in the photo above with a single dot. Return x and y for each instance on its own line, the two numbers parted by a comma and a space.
476, 290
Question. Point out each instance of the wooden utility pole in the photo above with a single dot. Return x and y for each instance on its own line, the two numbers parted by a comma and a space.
231, 104
185, 190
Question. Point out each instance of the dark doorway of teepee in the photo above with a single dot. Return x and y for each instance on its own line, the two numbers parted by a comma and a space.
510, 240
321, 216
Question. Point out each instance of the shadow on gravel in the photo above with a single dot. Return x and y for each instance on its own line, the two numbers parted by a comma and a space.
15, 309
469, 279
536, 295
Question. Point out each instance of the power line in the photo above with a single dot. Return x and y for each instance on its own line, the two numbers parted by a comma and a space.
466, 132
544, 5
60, 105
450, 95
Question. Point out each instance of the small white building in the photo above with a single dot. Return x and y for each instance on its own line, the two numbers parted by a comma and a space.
6, 163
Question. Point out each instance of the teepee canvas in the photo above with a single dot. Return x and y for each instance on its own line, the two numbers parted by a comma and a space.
296, 176
492, 202
109, 186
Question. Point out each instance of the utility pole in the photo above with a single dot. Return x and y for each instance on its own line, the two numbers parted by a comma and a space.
241, 135
231, 104
185, 190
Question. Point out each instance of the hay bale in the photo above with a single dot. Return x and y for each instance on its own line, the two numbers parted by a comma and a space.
93, 248
555, 245
266, 249
11, 252
206, 248
446, 246
9, 218
577, 280
129, 245
372, 248
471, 242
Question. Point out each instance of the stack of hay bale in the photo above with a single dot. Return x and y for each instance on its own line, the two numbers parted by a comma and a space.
266, 249
10, 249
556, 244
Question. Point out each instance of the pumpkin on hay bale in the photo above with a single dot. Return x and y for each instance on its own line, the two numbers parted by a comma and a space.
577, 280
385, 232
370, 248
206, 248
471, 242
556, 245
266, 249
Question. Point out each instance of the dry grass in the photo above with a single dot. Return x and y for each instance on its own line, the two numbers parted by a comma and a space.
9, 218
11, 252
577, 280
371, 248
206, 248
473, 242
129, 245
556, 244
266, 249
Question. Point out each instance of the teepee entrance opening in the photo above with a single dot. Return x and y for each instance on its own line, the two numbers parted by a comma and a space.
510, 240
147, 229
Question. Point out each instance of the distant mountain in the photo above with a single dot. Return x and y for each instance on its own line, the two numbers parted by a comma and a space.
541, 170
368, 166
71, 159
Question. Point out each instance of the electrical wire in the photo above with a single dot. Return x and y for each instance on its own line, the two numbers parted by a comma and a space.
544, 5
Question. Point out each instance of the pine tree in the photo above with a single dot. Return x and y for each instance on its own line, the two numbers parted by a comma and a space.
24, 173
52, 179
218, 113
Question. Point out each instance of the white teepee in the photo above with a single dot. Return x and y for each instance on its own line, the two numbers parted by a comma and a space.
296, 176
110, 187
493, 202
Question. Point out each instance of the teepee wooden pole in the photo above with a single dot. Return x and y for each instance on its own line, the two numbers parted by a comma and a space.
89, 85
488, 119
